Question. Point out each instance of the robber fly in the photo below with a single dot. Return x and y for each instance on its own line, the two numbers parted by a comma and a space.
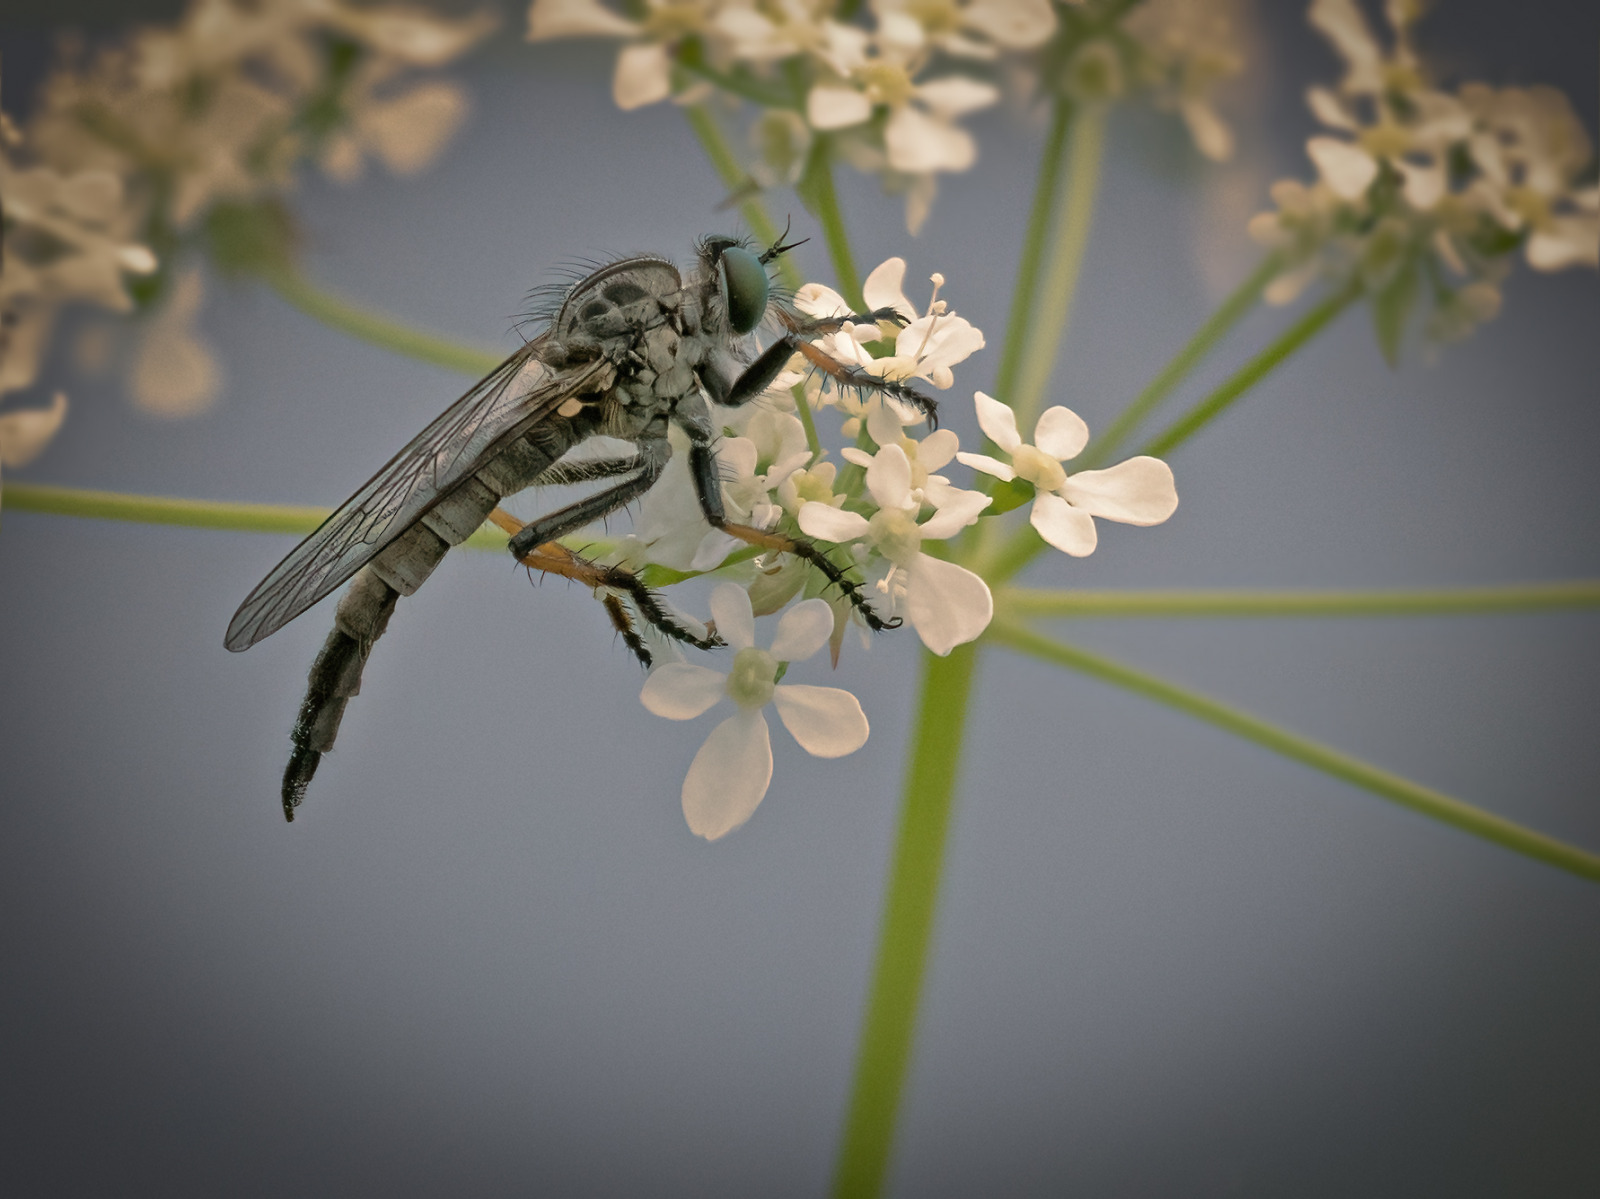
634, 347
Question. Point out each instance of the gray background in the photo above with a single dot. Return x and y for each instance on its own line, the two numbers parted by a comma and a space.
489, 958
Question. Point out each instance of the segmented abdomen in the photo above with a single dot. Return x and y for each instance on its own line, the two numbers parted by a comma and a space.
403, 566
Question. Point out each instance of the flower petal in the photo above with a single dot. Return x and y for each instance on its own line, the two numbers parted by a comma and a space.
729, 776
827, 523
958, 508
998, 422
819, 300
730, 608
918, 142
947, 604
1349, 170
827, 721
575, 18
883, 288
956, 94
1069, 529
937, 449
889, 478
1139, 491
802, 630
830, 107
643, 76
1061, 433
25, 432
988, 465
682, 691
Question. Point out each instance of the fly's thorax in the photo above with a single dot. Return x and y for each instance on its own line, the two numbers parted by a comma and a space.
620, 298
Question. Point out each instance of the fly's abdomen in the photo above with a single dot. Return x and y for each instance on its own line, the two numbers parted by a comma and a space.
399, 569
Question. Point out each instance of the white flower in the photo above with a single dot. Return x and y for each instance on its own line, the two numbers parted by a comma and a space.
175, 373
926, 348
1139, 491
730, 774
947, 604
752, 467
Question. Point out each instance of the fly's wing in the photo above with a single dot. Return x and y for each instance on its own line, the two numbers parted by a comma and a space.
499, 408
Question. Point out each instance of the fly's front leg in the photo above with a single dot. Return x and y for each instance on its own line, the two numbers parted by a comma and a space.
708, 489
758, 376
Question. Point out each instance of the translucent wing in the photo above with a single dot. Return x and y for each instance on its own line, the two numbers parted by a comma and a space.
499, 408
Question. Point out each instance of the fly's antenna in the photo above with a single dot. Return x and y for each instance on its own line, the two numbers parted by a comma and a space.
778, 247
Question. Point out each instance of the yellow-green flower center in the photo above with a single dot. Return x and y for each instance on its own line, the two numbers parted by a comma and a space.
753, 677
895, 533
887, 83
1038, 468
1385, 140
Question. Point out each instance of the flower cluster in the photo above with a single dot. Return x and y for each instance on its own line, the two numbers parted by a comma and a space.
890, 96
888, 87
1173, 53
188, 138
1424, 194
879, 513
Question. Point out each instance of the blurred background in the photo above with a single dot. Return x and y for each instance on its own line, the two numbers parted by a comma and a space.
490, 959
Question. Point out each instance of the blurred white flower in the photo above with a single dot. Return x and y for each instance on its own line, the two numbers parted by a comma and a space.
643, 72
730, 774
1420, 186
24, 432
1139, 491
174, 371
978, 29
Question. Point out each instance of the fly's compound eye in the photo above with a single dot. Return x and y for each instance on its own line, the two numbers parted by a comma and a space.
744, 288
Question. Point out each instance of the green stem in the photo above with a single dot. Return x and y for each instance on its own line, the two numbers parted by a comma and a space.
906, 932
1033, 241
193, 514
1023, 602
379, 330
1228, 314
802, 409
1258, 368
734, 177
1433, 804
1070, 237
824, 201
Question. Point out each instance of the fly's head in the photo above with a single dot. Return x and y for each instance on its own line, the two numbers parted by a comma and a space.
739, 276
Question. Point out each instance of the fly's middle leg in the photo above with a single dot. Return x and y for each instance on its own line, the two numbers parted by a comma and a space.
554, 558
708, 488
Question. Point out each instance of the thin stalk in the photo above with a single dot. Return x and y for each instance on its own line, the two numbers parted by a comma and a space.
1068, 241
192, 514
906, 933
734, 176
1033, 242
382, 331
1258, 368
824, 200
1430, 803
802, 409
1227, 314
1033, 603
